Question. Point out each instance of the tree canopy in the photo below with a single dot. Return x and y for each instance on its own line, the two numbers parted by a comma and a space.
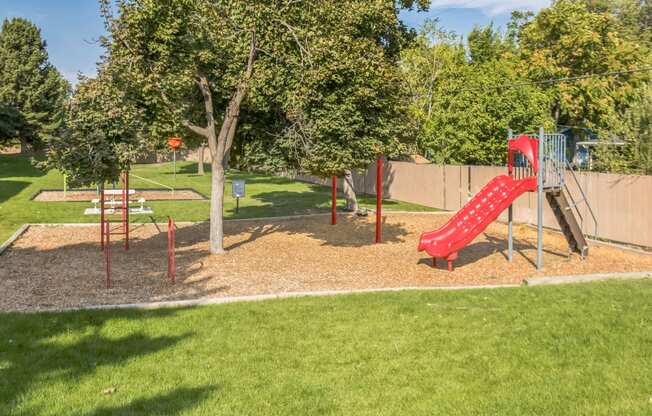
324, 72
462, 103
32, 92
578, 65
105, 134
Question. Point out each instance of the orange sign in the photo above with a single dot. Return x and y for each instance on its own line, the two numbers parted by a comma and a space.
175, 142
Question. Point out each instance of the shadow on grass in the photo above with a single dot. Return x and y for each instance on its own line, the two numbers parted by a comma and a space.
31, 355
9, 189
166, 404
17, 166
276, 203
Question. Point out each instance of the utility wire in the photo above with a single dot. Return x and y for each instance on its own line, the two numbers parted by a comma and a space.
554, 80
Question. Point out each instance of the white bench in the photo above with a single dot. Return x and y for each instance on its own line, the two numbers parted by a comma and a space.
113, 203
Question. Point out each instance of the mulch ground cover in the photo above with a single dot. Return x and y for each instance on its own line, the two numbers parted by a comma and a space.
57, 267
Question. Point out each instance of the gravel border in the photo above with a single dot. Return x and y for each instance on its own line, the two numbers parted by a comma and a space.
202, 195
23, 228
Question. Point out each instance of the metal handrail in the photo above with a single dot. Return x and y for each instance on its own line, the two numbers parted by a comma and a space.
577, 182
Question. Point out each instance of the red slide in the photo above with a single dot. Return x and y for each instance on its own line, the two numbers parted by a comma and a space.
484, 207
474, 217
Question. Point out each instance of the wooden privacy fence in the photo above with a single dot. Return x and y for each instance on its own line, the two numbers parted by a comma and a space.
621, 203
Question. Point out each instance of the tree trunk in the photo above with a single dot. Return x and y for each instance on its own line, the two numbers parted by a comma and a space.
220, 144
555, 114
349, 192
200, 159
24, 147
217, 208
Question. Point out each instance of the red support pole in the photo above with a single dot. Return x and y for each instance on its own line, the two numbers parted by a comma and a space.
172, 265
126, 202
102, 214
107, 254
334, 200
122, 204
379, 199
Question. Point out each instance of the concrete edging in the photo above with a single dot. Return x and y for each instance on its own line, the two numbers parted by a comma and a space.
542, 281
272, 296
13, 238
560, 280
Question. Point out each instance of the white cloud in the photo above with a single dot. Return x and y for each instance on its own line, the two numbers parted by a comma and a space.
492, 7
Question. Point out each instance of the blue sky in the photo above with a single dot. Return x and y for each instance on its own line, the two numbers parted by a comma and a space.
72, 27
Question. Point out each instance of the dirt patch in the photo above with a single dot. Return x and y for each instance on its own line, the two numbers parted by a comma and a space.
89, 195
58, 267
10, 150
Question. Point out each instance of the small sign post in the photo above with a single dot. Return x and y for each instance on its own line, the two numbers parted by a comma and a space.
175, 144
238, 191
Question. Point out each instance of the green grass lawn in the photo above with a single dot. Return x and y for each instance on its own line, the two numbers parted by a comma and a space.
266, 196
557, 350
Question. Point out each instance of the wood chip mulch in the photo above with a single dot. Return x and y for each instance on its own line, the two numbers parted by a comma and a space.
63, 267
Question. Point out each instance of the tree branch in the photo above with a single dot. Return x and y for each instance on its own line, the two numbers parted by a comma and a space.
205, 89
232, 114
304, 52
202, 131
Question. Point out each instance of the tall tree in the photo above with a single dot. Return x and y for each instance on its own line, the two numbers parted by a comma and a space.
11, 122
349, 106
568, 40
104, 134
486, 44
29, 85
197, 64
464, 108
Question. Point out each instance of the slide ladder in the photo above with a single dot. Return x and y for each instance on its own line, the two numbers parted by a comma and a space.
568, 223
566, 211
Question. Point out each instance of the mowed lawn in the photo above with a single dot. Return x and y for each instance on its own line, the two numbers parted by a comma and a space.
266, 196
564, 350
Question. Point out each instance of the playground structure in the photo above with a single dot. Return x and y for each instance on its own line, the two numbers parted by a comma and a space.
535, 164
122, 207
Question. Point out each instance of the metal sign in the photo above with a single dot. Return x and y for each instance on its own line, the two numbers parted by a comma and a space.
238, 188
